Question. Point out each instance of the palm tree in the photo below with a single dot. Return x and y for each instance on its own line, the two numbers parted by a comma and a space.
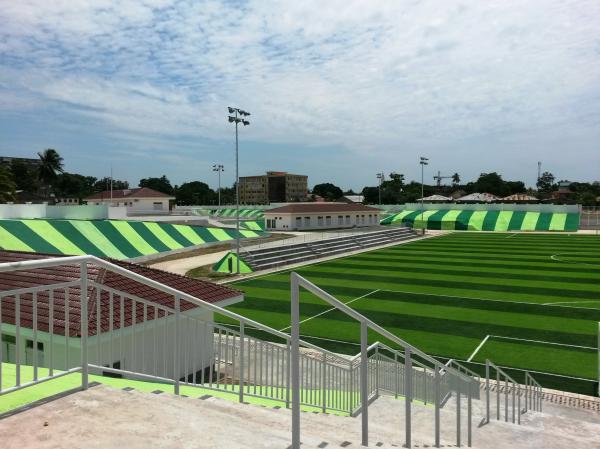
51, 163
7, 185
455, 179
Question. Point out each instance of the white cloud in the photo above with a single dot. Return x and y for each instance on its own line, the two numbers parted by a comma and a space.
356, 75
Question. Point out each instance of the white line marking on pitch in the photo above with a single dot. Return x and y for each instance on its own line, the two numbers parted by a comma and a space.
570, 302
512, 235
541, 341
486, 299
329, 310
478, 348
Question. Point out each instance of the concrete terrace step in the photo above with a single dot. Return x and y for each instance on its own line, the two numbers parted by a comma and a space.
265, 258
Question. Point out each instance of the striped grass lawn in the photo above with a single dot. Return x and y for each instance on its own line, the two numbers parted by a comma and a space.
446, 294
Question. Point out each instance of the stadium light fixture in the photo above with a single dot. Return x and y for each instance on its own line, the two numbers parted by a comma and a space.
218, 168
235, 118
381, 178
424, 161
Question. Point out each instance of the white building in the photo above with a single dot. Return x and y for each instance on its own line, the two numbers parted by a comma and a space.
145, 341
320, 216
142, 200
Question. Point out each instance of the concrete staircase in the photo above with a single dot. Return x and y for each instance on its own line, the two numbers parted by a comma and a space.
106, 418
265, 258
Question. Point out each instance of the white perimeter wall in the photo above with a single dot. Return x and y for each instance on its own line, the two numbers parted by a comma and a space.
89, 212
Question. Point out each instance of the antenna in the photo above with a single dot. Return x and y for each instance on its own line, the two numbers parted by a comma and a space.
539, 170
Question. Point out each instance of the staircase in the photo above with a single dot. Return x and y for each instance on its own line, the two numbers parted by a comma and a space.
265, 258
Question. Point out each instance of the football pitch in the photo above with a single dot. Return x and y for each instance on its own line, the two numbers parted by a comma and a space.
525, 301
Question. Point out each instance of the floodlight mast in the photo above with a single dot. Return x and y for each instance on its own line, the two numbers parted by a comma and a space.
219, 168
235, 118
381, 178
423, 162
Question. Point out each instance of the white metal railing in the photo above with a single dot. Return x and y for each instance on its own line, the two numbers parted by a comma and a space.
411, 355
513, 392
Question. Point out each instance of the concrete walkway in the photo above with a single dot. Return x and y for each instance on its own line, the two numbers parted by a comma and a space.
182, 266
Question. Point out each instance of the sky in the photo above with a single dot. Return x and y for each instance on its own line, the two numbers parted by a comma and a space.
338, 90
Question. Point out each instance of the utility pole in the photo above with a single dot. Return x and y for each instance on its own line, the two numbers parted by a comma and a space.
539, 170
219, 168
236, 119
381, 178
423, 163
111, 185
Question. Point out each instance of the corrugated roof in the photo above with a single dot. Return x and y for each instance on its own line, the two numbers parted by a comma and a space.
302, 208
203, 290
483, 197
519, 197
142, 192
435, 198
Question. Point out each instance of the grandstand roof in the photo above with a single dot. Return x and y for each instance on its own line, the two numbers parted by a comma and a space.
10, 280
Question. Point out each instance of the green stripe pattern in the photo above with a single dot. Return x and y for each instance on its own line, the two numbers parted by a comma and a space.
231, 213
117, 239
258, 225
481, 220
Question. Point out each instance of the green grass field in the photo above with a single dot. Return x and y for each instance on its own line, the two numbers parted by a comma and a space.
537, 297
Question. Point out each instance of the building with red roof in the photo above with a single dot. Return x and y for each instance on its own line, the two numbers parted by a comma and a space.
141, 200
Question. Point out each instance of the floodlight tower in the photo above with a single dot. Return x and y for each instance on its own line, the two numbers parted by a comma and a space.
235, 118
381, 178
423, 162
219, 168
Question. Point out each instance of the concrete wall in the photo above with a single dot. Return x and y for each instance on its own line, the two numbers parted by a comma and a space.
141, 348
21, 211
320, 220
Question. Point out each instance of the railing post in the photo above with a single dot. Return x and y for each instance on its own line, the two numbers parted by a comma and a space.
288, 372
397, 379
295, 356
497, 394
469, 419
407, 396
84, 326
177, 343
519, 404
505, 398
526, 391
377, 365
324, 383
437, 405
487, 390
513, 402
364, 392
241, 377
458, 393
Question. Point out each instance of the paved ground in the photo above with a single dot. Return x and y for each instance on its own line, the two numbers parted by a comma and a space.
108, 418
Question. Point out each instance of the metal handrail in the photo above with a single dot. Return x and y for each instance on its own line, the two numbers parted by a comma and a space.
298, 281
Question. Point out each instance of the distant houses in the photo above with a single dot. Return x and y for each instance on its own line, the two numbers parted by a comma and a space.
141, 200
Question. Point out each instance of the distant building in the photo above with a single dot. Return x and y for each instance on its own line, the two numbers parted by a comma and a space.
520, 198
7, 161
564, 192
478, 198
274, 187
141, 200
434, 199
315, 216
352, 198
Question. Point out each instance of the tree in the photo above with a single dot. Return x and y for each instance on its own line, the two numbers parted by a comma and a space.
513, 187
370, 195
328, 191
7, 185
73, 185
194, 193
51, 164
455, 179
491, 183
103, 185
161, 184
546, 183
25, 176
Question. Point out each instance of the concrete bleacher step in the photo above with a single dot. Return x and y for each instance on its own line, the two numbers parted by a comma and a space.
265, 258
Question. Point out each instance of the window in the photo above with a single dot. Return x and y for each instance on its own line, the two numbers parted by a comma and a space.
340, 220
319, 221
328, 220
298, 222
157, 206
29, 345
9, 348
307, 222
347, 219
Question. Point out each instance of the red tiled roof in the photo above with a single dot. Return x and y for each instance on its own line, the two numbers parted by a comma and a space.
142, 192
301, 208
206, 291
